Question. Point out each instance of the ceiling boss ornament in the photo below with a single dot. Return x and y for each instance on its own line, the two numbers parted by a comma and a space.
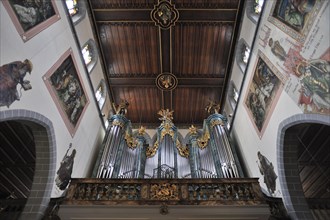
166, 81
164, 14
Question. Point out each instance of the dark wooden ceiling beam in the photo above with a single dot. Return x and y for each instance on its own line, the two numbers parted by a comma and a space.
200, 82
143, 15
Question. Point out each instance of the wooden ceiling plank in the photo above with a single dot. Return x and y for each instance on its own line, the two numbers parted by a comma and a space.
18, 192
312, 140
111, 51
122, 45
13, 148
4, 188
220, 15
28, 149
117, 15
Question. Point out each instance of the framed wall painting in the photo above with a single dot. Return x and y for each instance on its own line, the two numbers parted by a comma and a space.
65, 86
263, 92
30, 17
295, 18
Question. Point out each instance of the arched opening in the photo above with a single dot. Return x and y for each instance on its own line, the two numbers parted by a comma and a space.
18, 157
28, 156
303, 164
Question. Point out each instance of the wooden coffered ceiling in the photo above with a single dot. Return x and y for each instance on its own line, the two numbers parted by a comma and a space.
197, 49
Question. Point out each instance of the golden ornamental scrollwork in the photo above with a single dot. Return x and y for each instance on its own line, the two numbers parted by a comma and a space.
204, 140
167, 115
151, 151
130, 141
164, 191
116, 122
216, 122
167, 130
166, 81
121, 109
164, 14
142, 131
212, 107
183, 150
192, 130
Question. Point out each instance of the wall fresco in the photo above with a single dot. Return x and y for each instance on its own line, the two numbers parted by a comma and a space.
263, 92
300, 52
11, 75
64, 172
31, 17
65, 86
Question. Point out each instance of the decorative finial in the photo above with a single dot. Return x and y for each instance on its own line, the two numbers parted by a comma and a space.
142, 130
121, 109
167, 115
192, 129
212, 107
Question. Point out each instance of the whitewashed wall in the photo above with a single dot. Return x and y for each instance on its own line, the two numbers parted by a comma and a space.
250, 141
43, 50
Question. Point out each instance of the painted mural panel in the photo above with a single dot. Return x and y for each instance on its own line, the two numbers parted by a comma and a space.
11, 75
64, 84
304, 60
295, 17
266, 168
263, 92
31, 16
64, 172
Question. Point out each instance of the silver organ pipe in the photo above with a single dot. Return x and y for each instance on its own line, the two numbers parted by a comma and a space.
207, 167
209, 155
112, 143
223, 148
167, 155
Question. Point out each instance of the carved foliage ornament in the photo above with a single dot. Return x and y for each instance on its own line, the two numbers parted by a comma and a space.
192, 130
164, 191
204, 140
120, 109
151, 151
130, 140
183, 151
164, 14
166, 81
212, 107
216, 122
117, 122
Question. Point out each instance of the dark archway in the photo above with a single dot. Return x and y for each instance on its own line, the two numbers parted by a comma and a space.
42, 130
294, 134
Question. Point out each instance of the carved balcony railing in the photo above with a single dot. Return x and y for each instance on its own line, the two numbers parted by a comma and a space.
236, 191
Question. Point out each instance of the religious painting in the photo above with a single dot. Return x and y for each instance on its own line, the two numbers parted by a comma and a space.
313, 78
264, 90
65, 86
295, 18
31, 16
11, 76
64, 172
266, 169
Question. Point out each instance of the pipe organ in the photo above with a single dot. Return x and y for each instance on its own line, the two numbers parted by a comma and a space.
205, 153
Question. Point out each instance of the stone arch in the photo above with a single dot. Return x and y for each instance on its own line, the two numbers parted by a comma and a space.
293, 195
45, 164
